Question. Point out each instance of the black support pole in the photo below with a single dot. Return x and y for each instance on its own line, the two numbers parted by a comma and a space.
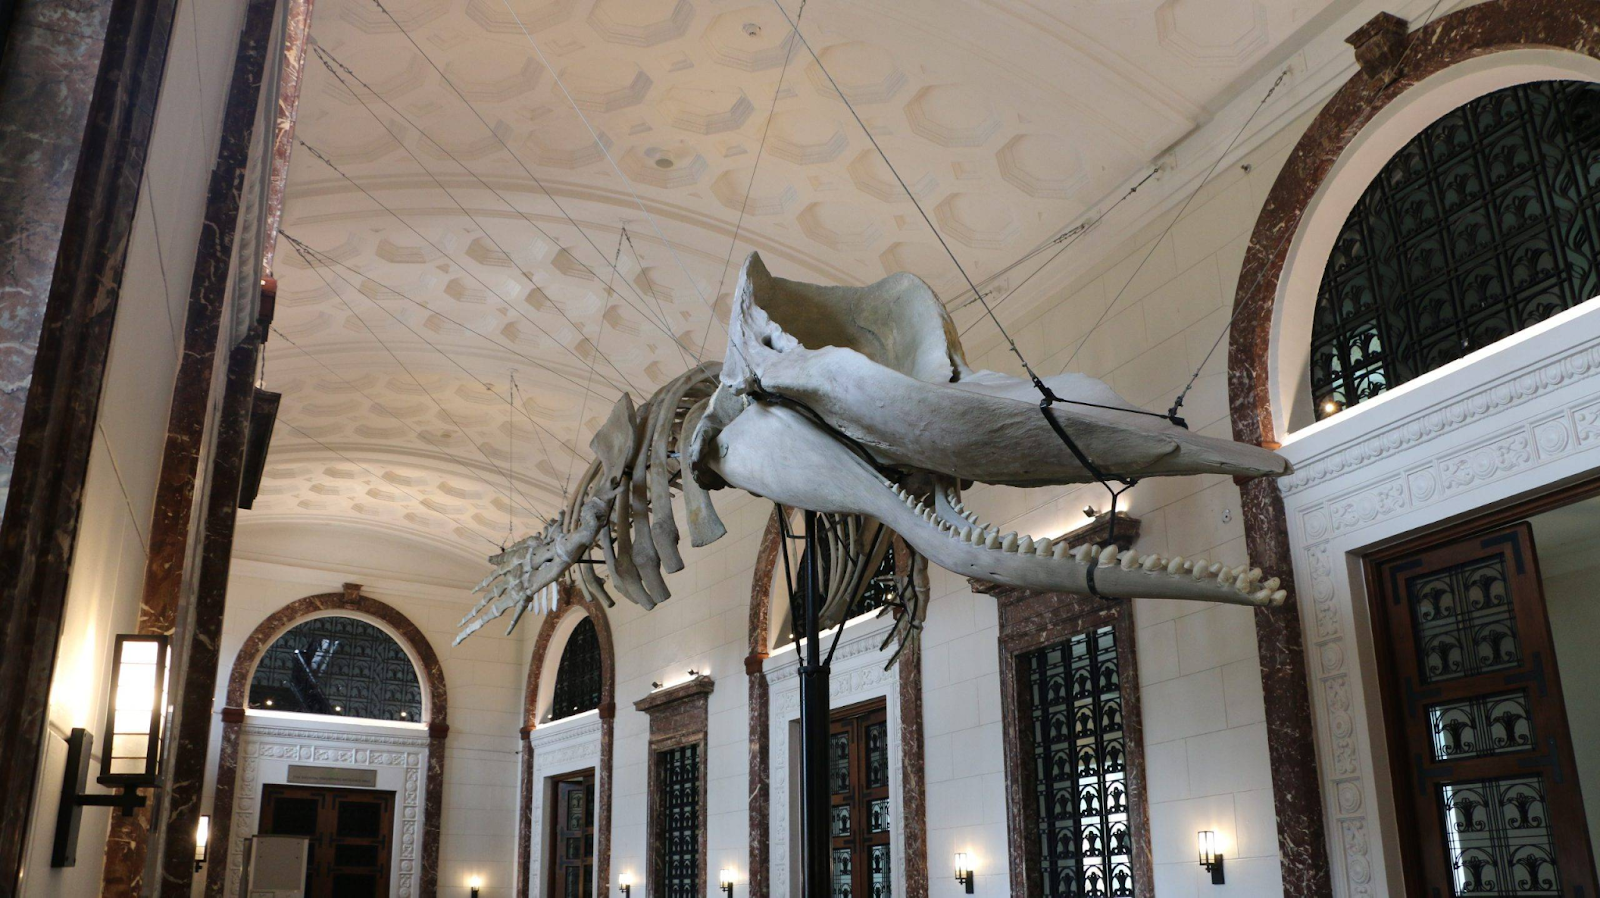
814, 726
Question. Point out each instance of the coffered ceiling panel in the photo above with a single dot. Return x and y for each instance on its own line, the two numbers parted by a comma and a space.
511, 211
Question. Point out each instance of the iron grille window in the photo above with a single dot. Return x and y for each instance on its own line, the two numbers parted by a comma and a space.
678, 773
340, 666
878, 591
1484, 224
578, 675
1074, 720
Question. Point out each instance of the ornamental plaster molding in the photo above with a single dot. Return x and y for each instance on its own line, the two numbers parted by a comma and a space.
404, 753
1530, 382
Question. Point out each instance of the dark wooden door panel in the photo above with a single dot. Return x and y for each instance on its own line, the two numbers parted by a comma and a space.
350, 832
1485, 767
571, 863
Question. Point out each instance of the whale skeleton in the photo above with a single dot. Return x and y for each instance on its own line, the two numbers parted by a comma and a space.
858, 403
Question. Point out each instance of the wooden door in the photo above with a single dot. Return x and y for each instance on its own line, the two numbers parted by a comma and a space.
1484, 767
349, 832
572, 836
859, 821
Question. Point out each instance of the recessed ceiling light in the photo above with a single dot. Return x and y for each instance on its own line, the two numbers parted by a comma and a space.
751, 29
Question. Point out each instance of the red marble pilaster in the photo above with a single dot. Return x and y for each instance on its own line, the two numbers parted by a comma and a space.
197, 428
760, 859
570, 597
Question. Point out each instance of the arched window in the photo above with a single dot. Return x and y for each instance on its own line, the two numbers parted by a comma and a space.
341, 666
578, 675
1484, 224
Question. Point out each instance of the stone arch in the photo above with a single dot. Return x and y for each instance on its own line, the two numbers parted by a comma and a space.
430, 672
914, 792
573, 604
1393, 65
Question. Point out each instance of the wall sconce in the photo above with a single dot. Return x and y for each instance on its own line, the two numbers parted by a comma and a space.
202, 841
476, 885
1210, 858
964, 870
1090, 512
625, 884
1330, 407
132, 754
727, 881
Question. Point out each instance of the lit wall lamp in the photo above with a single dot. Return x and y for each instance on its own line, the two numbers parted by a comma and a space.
132, 755
202, 841
727, 881
1330, 407
476, 885
964, 870
625, 884
1210, 857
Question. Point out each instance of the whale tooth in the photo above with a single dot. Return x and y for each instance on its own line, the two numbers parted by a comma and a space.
1081, 553
1129, 561
1175, 565
1255, 575
1042, 548
1263, 596
1108, 555
1198, 568
1226, 577
1270, 585
965, 533
1277, 597
1151, 562
1008, 543
1025, 546
991, 540
1058, 549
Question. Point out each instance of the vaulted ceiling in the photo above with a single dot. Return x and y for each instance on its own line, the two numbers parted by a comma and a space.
547, 192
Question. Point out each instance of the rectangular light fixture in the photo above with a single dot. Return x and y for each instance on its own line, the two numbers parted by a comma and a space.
964, 870
202, 841
726, 880
132, 755
1210, 857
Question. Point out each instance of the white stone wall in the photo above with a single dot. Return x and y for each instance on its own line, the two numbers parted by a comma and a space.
114, 531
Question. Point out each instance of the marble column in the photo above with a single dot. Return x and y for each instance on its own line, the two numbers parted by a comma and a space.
47, 78
79, 96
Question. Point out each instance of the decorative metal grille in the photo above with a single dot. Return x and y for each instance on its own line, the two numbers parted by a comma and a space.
879, 591
1499, 838
679, 774
340, 666
1484, 224
1480, 726
1465, 623
1079, 764
578, 675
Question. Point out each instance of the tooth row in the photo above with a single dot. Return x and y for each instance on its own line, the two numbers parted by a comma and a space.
1246, 581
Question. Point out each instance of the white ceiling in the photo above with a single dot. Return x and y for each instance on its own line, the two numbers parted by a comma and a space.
1008, 120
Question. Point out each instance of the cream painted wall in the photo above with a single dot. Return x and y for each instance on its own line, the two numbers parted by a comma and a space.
108, 565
